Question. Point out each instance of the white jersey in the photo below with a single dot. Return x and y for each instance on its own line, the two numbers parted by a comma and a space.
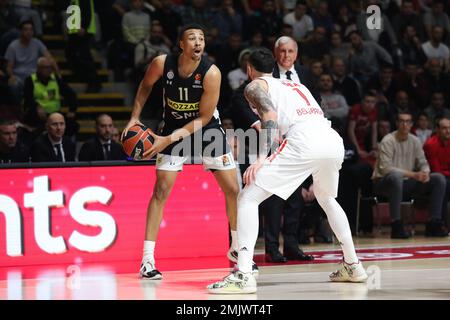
301, 119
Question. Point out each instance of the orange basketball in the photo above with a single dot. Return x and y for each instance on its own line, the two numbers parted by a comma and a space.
137, 141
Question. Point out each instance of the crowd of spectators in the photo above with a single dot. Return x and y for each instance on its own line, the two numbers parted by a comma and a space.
368, 81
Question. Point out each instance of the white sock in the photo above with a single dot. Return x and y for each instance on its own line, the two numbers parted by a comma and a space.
339, 224
149, 251
248, 223
234, 241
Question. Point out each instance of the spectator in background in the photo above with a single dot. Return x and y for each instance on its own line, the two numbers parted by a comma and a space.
433, 79
136, 24
115, 135
437, 151
154, 45
383, 83
101, 147
44, 91
402, 171
436, 18
5, 92
409, 81
198, 12
25, 11
78, 49
344, 21
411, 47
301, 22
422, 129
266, 20
407, 17
363, 60
9, 22
169, 19
22, 55
338, 48
53, 145
437, 108
402, 103
384, 36
345, 83
434, 48
238, 76
362, 128
333, 104
227, 20
384, 127
11, 150
322, 18
316, 47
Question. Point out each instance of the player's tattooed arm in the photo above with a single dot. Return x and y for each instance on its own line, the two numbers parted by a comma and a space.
259, 99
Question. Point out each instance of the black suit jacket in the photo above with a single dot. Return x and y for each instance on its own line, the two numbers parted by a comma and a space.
306, 78
42, 149
92, 150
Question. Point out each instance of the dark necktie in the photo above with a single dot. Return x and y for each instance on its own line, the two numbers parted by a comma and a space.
58, 147
107, 151
288, 75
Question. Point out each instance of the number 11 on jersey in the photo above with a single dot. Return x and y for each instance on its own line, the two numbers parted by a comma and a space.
185, 90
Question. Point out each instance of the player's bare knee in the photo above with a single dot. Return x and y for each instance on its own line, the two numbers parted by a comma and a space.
161, 192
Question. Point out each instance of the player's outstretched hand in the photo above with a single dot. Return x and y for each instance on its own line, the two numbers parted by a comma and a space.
250, 173
132, 122
159, 144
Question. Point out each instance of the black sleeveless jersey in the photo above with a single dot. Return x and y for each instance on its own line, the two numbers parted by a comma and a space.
182, 95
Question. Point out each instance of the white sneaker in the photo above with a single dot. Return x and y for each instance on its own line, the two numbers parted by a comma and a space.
349, 273
255, 269
235, 283
148, 271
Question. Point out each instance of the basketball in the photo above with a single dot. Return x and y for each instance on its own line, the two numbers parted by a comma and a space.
137, 141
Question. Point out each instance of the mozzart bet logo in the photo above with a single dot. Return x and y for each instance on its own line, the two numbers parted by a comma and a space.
40, 201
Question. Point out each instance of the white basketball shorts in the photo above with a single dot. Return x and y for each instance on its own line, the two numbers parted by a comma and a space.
285, 170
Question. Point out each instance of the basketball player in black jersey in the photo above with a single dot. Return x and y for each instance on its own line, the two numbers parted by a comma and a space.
191, 92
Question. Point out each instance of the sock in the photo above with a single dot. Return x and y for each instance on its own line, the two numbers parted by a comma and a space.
149, 251
234, 241
339, 224
247, 224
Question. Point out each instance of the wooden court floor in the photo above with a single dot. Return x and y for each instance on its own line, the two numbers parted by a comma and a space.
398, 269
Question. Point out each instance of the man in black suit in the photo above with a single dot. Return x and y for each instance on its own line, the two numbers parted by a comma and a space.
11, 149
101, 147
286, 50
53, 145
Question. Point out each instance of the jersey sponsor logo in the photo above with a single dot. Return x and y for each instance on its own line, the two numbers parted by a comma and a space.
184, 115
196, 86
182, 106
225, 160
170, 75
198, 80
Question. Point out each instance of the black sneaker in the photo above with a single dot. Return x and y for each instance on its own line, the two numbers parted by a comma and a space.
398, 231
148, 271
435, 228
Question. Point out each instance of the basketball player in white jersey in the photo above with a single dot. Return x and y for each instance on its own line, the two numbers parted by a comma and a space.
310, 146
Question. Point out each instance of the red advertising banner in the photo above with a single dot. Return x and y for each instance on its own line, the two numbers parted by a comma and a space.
98, 214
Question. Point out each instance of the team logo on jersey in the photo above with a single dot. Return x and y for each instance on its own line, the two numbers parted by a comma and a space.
225, 160
179, 106
198, 78
170, 75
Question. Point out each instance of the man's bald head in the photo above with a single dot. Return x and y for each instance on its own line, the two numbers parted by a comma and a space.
56, 126
104, 127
